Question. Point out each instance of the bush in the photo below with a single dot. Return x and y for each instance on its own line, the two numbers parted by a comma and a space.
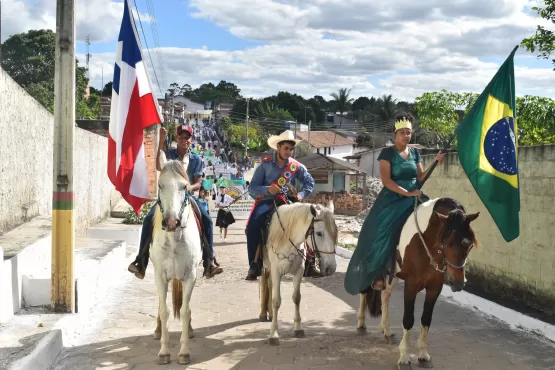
132, 218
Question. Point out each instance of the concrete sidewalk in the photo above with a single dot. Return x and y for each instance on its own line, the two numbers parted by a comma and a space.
229, 336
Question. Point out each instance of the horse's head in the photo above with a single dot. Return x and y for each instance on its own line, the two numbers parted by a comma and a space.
457, 239
172, 192
325, 237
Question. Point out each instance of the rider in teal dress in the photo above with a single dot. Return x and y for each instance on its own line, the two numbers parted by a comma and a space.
400, 170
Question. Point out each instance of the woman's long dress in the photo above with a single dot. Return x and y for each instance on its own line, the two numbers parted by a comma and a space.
381, 230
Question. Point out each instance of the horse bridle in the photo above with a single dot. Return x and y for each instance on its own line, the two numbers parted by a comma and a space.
315, 252
441, 249
184, 204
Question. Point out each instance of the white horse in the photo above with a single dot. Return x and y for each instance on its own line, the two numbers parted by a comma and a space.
175, 253
291, 225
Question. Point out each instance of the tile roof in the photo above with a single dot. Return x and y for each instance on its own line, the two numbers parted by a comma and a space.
318, 161
324, 139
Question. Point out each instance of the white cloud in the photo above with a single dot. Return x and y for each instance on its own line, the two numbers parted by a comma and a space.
99, 19
314, 47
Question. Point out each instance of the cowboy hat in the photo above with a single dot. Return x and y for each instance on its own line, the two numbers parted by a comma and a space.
284, 136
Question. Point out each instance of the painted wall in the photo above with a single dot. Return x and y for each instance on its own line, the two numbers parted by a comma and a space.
524, 269
26, 155
338, 152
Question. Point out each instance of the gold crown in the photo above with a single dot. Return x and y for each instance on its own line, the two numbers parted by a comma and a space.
403, 124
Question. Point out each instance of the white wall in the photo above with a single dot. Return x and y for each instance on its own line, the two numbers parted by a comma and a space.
26, 156
368, 160
339, 152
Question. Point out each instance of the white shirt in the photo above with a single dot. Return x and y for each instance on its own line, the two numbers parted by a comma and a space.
227, 200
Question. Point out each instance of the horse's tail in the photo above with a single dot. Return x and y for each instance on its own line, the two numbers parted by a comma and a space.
177, 297
374, 302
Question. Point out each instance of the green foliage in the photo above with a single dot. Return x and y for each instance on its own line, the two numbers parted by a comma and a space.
29, 59
543, 41
237, 136
131, 217
535, 115
224, 92
437, 112
536, 120
342, 101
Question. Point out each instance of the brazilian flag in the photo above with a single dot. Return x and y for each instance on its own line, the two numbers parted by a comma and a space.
488, 149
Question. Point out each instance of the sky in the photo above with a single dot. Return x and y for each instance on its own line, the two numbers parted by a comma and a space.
309, 47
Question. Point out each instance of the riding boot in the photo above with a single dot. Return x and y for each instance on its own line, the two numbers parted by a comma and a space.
310, 269
138, 267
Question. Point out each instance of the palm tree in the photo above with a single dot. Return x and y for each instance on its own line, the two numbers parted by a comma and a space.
387, 106
342, 101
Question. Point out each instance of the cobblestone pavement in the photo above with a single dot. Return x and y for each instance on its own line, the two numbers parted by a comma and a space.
229, 336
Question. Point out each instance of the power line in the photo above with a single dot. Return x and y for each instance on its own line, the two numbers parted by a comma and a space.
156, 38
146, 44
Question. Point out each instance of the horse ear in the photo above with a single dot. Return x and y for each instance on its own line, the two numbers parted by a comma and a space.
331, 206
163, 160
313, 210
472, 216
442, 216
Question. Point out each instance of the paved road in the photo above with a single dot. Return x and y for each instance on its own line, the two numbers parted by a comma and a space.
229, 336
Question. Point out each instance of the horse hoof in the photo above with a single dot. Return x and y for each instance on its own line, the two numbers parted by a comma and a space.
184, 359
299, 333
390, 339
362, 331
404, 367
273, 341
157, 335
262, 318
191, 334
163, 359
425, 364
270, 318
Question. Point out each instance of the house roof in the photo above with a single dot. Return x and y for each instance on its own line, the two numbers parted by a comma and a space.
318, 161
324, 139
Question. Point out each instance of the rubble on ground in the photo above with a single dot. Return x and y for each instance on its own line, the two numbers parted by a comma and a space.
373, 188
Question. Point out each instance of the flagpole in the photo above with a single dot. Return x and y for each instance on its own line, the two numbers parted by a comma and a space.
62, 285
435, 163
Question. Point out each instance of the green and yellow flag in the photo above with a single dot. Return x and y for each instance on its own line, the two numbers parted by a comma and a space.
488, 149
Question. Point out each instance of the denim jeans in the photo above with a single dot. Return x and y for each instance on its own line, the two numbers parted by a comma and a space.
257, 222
146, 235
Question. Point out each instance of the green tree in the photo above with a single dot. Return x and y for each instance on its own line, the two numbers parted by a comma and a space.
437, 112
543, 41
342, 102
107, 90
272, 118
29, 59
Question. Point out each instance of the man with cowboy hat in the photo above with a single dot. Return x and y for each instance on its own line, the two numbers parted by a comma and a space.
269, 178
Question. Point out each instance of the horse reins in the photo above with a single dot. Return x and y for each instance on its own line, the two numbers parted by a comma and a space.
433, 263
183, 206
309, 233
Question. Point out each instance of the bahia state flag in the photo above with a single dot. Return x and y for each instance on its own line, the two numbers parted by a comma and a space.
133, 109
488, 149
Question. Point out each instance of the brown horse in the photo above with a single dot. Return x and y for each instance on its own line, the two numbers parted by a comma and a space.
433, 250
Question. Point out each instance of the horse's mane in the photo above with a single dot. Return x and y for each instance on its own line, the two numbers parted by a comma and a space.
176, 167
298, 215
456, 221
329, 224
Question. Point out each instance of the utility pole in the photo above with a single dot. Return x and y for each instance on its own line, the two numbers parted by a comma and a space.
0, 32
62, 286
309, 124
247, 145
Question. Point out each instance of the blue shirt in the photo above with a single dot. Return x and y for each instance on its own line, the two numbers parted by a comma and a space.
202, 203
269, 172
195, 163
